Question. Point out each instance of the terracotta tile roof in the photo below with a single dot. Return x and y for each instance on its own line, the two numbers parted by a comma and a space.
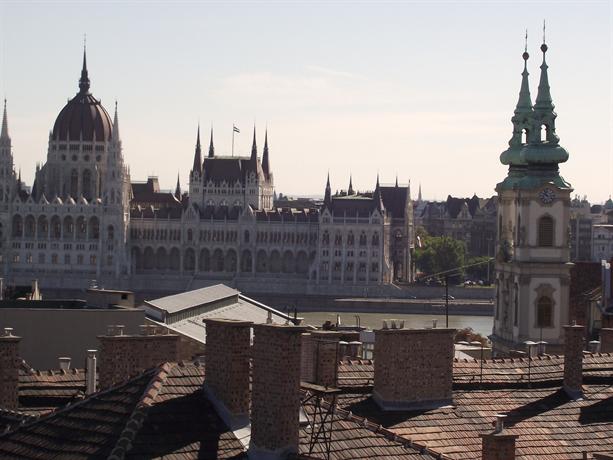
163, 413
87, 429
353, 437
549, 425
355, 373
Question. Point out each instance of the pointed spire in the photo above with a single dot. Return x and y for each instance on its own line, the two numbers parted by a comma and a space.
419, 198
396, 180
115, 133
350, 189
84, 80
524, 103
377, 198
4, 134
543, 102
265, 156
197, 166
178, 189
254, 148
211, 146
328, 194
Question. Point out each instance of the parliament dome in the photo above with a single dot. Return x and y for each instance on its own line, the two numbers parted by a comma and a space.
83, 117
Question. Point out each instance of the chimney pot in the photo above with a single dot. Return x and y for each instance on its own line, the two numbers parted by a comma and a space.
500, 422
90, 384
8, 332
434, 323
594, 346
64, 362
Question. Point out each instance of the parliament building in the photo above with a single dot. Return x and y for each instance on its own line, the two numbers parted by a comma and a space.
83, 219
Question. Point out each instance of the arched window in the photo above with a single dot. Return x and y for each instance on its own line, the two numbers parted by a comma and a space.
544, 312
246, 236
545, 231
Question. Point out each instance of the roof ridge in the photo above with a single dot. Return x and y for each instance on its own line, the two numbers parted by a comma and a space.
136, 419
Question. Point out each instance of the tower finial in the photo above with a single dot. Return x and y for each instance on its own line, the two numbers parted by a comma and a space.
211, 147
350, 189
543, 31
254, 147
197, 166
265, 156
84, 80
178, 188
4, 134
526, 43
115, 132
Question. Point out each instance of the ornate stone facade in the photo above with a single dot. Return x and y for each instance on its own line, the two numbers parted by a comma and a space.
84, 219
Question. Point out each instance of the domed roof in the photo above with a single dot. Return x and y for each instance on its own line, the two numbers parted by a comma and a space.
83, 117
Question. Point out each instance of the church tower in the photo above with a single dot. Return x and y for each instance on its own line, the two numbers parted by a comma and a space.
532, 262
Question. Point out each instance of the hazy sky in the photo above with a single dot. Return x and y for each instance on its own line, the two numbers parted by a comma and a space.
422, 90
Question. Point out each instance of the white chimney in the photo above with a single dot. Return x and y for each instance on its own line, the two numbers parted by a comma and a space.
64, 363
499, 422
90, 375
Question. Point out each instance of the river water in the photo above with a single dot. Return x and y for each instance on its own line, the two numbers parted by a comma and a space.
481, 324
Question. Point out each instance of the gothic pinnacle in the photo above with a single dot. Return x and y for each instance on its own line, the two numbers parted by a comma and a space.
4, 134
211, 146
84, 80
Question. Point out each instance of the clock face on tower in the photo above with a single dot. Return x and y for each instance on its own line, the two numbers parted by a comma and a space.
547, 195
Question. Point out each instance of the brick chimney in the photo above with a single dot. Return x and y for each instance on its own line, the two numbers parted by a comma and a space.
606, 340
275, 391
325, 349
573, 360
413, 368
123, 356
498, 445
226, 369
9, 370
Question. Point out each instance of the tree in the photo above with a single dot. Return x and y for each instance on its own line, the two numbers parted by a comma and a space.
439, 254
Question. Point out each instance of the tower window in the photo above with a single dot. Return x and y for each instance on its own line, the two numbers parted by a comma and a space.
544, 312
545, 231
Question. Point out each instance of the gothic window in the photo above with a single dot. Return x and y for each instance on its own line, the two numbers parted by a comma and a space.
246, 238
110, 232
338, 239
74, 183
350, 239
545, 231
362, 239
544, 312
325, 239
190, 234
375, 239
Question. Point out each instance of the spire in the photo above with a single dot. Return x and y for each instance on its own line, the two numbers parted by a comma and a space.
265, 158
197, 167
178, 189
543, 102
524, 103
115, 133
254, 148
419, 194
396, 180
4, 134
328, 194
377, 198
350, 189
211, 147
84, 80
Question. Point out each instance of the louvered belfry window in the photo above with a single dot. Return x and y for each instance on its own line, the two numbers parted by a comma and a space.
545, 231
